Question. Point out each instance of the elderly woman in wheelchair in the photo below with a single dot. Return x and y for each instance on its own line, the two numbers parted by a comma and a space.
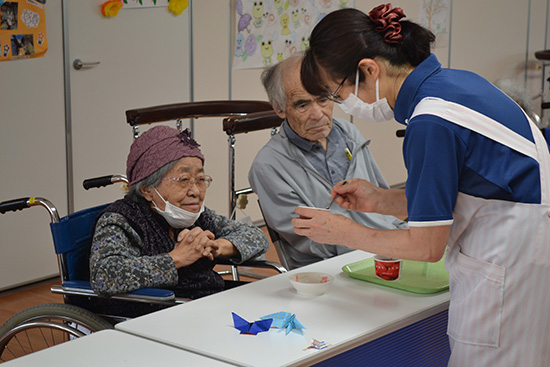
161, 234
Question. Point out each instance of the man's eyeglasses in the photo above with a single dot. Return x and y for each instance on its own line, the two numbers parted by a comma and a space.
186, 182
333, 96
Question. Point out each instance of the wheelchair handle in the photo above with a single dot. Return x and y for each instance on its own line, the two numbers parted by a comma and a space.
14, 205
23, 203
103, 181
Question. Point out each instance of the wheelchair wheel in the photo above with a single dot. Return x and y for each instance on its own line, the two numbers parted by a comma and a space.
43, 326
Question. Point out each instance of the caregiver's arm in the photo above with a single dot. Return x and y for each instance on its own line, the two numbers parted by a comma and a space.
361, 195
415, 243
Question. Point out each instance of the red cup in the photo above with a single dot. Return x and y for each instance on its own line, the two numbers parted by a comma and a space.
387, 268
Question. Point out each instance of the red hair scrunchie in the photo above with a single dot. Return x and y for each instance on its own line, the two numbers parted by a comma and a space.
386, 18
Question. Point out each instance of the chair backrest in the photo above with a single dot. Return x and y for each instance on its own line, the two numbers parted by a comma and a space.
252, 122
189, 110
193, 110
72, 237
277, 241
244, 124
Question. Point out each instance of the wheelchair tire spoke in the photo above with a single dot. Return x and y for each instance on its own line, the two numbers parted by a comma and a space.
40, 327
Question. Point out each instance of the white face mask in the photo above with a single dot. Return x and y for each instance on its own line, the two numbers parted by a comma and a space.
177, 217
378, 111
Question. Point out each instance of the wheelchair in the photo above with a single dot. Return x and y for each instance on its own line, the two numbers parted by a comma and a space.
83, 310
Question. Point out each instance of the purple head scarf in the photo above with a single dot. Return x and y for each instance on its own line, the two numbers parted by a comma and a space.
157, 147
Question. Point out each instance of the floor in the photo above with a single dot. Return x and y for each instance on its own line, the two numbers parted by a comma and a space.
13, 301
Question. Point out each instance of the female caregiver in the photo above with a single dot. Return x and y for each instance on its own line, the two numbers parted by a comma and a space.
478, 182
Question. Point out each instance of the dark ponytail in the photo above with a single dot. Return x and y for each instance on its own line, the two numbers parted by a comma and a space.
344, 37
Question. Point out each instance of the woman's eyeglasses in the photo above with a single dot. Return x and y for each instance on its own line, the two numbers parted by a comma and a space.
186, 182
333, 96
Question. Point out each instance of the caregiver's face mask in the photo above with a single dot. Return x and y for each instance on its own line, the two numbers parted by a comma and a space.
374, 112
177, 217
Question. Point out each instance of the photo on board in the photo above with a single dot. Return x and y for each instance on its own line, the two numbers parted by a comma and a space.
22, 44
8, 15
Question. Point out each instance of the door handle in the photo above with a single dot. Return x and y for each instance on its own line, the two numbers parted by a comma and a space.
78, 64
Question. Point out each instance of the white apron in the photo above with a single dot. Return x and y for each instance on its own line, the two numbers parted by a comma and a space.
498, 260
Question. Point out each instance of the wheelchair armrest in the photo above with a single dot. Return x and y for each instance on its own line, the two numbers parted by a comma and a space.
83, 288
254, 264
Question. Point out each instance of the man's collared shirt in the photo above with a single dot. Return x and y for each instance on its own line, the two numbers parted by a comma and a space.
333, 163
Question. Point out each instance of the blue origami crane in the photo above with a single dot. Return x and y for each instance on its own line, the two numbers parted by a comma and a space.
285, 320
251, 328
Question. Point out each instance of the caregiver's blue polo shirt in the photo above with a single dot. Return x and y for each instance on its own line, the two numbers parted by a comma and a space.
443, 159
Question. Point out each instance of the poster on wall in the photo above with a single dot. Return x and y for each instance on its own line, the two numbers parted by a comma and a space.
22, 29
269, 31
434, 15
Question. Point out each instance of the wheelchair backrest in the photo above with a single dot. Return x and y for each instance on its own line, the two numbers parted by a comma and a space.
72, 238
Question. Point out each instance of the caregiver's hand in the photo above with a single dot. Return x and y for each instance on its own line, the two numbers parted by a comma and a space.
358, 195
321, 225
362, 196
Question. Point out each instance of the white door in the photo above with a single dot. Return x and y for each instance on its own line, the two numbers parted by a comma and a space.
143, 57
32, 156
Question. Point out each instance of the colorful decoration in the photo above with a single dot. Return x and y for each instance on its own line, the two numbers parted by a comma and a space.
250, 328
434, 15
267, 32
317, 345
285, 320
111, 8
22, 29
178, 6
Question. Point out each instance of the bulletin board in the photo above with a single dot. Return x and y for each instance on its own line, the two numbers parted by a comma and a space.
22, 29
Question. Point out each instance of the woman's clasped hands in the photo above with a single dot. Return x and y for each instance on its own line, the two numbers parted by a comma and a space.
197, 243
192, 245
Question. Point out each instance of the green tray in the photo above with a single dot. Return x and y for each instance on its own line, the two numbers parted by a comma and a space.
416, 276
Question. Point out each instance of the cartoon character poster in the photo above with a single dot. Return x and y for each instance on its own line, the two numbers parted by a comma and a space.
434, 15
22, 29
269, 31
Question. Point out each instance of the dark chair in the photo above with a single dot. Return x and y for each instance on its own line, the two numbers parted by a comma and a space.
194, 110
278, 242
242, 125
239, 125
84, 311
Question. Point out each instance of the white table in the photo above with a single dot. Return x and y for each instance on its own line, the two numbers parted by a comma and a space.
113, 348
351, 313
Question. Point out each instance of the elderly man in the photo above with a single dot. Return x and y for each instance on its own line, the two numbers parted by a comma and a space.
298, 166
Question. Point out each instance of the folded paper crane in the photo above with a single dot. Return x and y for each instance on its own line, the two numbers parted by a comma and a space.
285, 320
251, 328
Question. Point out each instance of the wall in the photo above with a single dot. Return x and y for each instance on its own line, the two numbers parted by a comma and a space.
144, 60
32, 155
495, 38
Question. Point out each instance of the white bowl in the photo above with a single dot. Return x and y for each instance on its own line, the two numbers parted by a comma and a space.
311, 283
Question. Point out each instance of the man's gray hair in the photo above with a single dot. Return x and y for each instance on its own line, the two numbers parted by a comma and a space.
272, 80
